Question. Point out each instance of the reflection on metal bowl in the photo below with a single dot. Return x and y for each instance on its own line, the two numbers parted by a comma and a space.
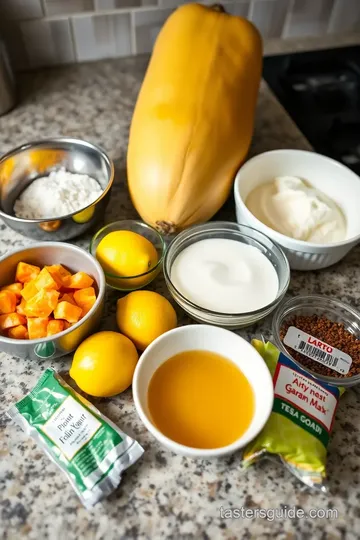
25, 164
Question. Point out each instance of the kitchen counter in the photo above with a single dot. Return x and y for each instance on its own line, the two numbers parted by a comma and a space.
163, 495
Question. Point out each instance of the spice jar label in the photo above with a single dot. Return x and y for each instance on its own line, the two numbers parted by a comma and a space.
317, 350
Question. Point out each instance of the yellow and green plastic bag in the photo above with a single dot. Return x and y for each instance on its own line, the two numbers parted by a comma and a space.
301, 421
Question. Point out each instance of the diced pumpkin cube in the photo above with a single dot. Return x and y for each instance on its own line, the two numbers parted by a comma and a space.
18, 332
20, 308
58, 269
80, 280
29, 290
46, 281
68, 297
37, 327
58, 273
86, 309
42, 304
67, 325
8, 320
7, 302
67, 311
54, 327
15, 288
26, 272
84, 297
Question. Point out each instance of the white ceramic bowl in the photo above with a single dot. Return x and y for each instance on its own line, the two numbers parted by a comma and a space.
325, 174
217, 340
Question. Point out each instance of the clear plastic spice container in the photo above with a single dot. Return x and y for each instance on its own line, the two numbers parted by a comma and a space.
322, 335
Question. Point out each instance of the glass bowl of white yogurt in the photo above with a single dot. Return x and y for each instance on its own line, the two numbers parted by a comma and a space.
226, 274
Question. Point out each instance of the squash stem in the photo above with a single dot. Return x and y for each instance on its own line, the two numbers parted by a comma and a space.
218, 7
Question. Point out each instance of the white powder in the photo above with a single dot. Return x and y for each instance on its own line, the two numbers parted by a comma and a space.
57, 195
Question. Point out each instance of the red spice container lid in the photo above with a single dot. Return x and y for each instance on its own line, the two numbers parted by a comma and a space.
322, 335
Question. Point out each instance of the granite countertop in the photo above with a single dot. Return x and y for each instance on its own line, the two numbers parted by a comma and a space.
163, 495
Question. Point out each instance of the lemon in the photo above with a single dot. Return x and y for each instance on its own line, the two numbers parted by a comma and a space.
85, 215
104, 364
126, 253
143, 316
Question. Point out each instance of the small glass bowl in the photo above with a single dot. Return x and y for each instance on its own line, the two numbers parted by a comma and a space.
323, 306
131, 283
240, 233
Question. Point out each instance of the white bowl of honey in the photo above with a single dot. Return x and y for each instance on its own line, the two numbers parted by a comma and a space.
202, 391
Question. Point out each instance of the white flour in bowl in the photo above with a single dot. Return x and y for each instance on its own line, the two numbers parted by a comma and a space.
59, 194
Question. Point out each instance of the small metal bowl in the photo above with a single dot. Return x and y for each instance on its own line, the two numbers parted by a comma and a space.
26, 163
75, 259
131, 283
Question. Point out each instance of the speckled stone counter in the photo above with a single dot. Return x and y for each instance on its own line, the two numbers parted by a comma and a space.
163, 495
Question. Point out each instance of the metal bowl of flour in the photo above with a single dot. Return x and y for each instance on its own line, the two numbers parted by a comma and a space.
20, 167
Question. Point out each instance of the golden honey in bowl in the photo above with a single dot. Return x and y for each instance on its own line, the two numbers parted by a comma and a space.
200, 399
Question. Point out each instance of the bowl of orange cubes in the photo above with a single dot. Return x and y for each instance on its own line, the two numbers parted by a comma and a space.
51, 298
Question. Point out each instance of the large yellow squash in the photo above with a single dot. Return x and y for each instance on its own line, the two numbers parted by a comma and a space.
194, 116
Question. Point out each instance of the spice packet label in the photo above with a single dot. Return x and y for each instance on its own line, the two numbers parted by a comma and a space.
306, 402
317, 350
71, 427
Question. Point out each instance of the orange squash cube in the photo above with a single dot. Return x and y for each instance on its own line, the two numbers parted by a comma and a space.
86, 309
20, 308
68, 297
26, 272
54, 327
67, 325
42, 304
15, 288
8, 320
37, 327
46, 281
18, 332
80, 280
7, 302
29, 290
58, 272
84, 297
67, 311
58, 269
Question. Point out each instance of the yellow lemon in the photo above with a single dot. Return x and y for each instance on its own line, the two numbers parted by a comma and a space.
85, 215
126, 253
143, 316
104, 364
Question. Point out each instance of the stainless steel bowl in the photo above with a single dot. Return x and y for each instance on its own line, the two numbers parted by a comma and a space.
23, 165
75, 259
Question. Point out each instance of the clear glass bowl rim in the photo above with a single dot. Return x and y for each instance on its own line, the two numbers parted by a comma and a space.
141, 224
230, 226
323, 302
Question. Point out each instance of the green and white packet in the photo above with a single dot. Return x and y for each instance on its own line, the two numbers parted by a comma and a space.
90, 449
301, 421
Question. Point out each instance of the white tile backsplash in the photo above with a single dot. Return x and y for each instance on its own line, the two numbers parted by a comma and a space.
50, 32
20, 9
309, 18
66, 7
269, 16
241, 9
345, 16
101, 5
147, 25
101, 36
47, 42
